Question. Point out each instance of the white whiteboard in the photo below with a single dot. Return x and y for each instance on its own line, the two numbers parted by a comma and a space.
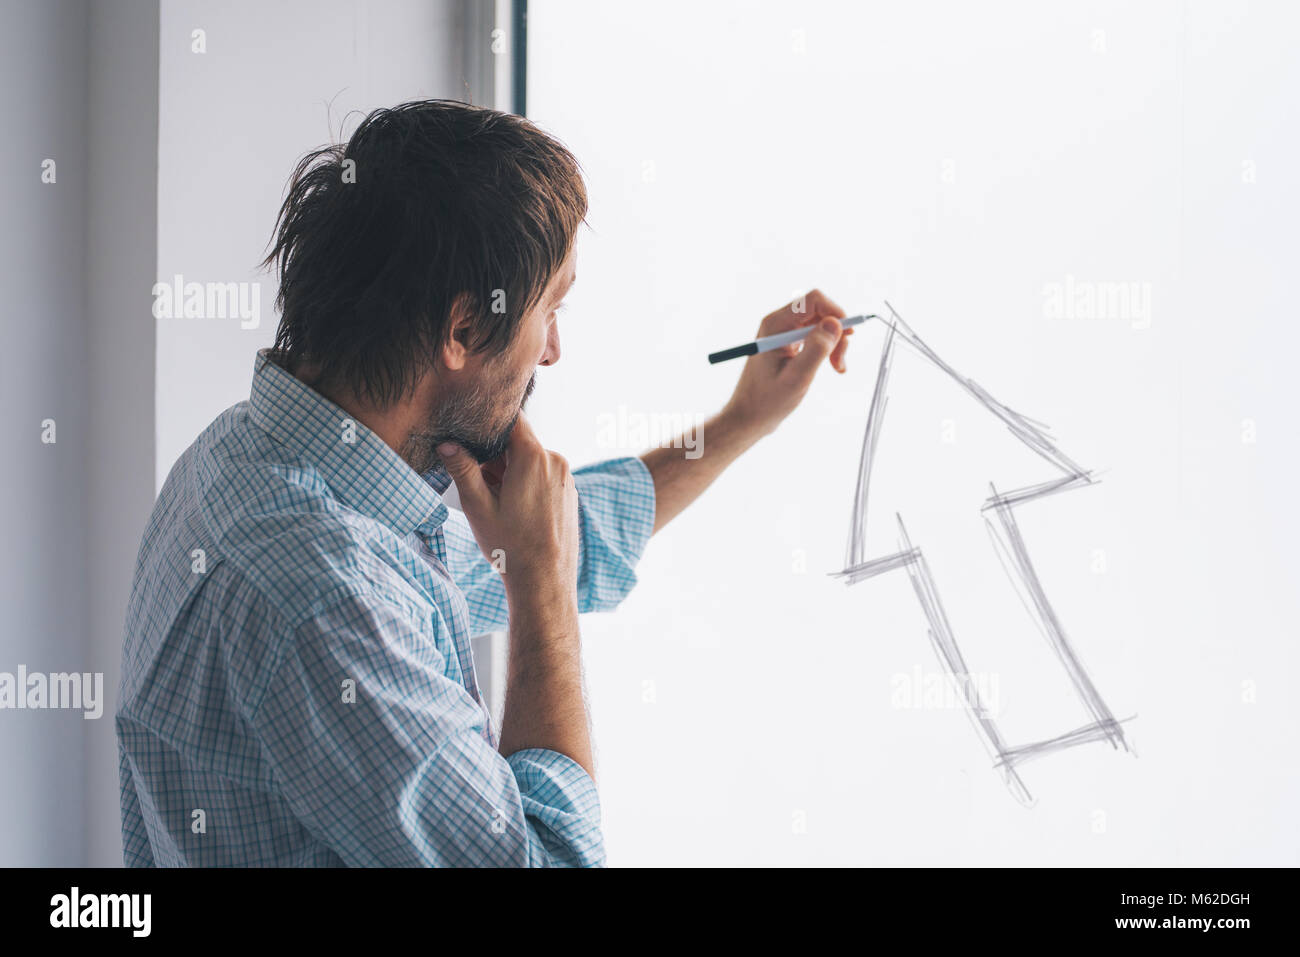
976, 167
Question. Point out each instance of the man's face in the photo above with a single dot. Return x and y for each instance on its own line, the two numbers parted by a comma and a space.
480, 415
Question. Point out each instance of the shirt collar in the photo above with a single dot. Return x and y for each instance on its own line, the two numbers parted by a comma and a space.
362, 471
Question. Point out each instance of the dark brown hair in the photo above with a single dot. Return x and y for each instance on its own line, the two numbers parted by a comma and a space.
427, 201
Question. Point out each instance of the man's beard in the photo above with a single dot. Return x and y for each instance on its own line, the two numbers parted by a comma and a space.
471, 420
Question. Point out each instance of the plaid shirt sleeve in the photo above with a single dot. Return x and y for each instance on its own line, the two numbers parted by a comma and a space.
386, 760
616, 513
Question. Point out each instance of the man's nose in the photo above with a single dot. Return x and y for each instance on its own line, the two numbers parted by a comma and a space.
552, 353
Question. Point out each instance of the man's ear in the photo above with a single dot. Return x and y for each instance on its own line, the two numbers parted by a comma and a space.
455, 349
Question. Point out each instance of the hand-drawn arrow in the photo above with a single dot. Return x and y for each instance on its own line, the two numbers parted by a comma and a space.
999, 512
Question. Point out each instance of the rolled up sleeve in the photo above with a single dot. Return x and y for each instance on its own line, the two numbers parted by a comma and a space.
616, 514
560, 798
387, 760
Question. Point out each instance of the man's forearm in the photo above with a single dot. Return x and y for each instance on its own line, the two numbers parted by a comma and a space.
679, 480
544, 705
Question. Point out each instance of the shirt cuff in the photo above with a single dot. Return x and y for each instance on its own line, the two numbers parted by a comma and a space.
637, 501
560, 800
616, 512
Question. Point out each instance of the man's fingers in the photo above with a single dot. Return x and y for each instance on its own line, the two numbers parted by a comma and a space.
823, 305
837, 354
817, 345
465, 472
523, 453
841, 347
801, 312
494, 471
790, 316
523, 435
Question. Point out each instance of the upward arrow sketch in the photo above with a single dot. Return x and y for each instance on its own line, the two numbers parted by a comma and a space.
999, 516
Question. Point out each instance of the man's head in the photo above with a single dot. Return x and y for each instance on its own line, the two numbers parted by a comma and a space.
421, 268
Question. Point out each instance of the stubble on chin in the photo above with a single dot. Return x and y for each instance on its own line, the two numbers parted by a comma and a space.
462, 426
418, 452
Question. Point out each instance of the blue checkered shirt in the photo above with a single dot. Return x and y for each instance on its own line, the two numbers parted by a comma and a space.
298, 686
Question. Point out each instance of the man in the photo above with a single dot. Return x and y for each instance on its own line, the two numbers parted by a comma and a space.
298, 686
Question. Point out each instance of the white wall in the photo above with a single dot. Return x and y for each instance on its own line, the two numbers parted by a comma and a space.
955, 159
77, 274
43, 569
